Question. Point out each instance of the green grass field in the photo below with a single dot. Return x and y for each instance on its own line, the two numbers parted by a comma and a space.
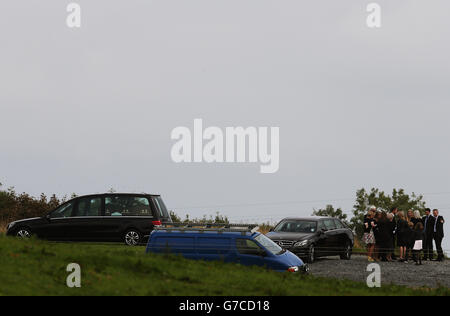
33, 267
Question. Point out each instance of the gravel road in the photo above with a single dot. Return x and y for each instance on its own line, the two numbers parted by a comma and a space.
430, 274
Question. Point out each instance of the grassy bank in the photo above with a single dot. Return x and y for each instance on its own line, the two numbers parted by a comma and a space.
3, 227
32, 267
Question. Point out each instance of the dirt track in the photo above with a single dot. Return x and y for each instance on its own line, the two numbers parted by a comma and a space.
430, 274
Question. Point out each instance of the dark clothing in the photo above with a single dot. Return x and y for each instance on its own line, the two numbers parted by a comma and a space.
392, 230
410, 238
403, 233
428, 224
438, 235
415, 221
417, 256
438, 227
418, 235
383, 238
369, 222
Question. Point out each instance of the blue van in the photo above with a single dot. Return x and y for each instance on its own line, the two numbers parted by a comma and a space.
229, 245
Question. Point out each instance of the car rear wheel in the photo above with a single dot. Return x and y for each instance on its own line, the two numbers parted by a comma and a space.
132, 238
311, 254
347, 252
23, 233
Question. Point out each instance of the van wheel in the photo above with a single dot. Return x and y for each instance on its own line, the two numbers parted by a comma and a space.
311, 254
347, 252
132, 238
24, 233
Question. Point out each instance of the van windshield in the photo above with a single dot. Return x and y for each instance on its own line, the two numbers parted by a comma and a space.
269, 244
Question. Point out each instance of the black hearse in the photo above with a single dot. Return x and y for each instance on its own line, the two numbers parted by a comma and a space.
98, 218
314, 237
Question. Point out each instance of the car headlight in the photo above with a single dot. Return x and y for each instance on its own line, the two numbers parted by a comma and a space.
10, 225
301, 243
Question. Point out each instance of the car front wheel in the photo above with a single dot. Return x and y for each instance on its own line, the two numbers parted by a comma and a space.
23, 233
132, 238
311, 254
347, 252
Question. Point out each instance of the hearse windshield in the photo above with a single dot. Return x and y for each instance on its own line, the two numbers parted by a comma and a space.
296, 226
269, 244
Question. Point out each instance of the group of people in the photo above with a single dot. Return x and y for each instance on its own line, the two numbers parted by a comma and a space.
412, 233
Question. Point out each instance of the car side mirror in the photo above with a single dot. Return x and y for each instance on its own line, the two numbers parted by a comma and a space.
271, 230
47, 217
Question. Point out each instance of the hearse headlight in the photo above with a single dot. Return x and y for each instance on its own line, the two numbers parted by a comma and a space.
293, 269
302, 243
10, 225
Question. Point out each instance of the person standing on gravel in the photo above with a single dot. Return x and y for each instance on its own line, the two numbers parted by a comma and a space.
392, 227
393, 214
438, 233
369, 236
402, 235
428, 223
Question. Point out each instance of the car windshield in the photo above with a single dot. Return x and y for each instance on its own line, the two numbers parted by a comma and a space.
296, 226
269, 244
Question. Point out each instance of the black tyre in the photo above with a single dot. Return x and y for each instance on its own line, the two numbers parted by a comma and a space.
24, 233
347, 251
132, 237
311, 254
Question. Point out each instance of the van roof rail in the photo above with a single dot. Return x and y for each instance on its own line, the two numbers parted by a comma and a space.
202, 227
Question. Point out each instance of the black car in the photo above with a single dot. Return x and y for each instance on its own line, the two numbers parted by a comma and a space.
313, 237
100, 218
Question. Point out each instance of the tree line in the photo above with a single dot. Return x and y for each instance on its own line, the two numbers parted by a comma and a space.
15, 206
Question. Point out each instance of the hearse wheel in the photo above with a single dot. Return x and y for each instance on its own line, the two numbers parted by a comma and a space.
347, 252
132, 237
23, 233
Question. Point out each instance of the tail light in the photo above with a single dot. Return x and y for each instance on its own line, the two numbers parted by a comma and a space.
156, 223
293, 269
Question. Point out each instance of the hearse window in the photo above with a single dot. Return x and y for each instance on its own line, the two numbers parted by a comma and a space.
162, 209
127, 206
62, 211
89, 207
248, 247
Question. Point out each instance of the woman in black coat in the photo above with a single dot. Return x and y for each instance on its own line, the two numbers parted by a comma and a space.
402, 235
383, 237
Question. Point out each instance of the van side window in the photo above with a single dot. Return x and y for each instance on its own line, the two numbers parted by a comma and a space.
63, 211
209, 245
89, 207
248, 247
127, 206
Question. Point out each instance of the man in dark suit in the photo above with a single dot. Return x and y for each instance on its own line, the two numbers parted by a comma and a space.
438, 233
428, 224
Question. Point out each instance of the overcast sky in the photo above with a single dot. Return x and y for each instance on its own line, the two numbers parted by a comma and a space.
93, 108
